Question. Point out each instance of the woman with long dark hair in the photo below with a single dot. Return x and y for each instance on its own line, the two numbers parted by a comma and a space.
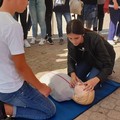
90, 57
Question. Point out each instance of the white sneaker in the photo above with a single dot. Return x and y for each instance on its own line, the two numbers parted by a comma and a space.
42, 41
26, 43
111, 42
33, 40
116, 38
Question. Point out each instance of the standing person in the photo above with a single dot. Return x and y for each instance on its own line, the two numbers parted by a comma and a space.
37, 12
100, 15
21, 93
114, 30
90, 14
90, 57
62, 10
23, 20
48, 18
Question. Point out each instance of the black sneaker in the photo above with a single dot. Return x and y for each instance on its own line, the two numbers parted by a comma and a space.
46, 37
2, 111
49, 40
61, 42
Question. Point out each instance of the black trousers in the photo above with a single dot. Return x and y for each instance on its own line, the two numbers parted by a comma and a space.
48, 16
100, 17
23, 20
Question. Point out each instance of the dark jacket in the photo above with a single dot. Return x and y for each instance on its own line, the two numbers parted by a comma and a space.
94, 51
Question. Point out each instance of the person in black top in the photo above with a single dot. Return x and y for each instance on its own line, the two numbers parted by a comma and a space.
90, 57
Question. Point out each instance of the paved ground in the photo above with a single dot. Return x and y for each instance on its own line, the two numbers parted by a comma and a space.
53, 57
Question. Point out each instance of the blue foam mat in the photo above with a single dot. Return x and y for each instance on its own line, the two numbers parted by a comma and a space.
69, 110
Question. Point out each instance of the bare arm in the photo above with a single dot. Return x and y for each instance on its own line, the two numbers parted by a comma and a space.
25, 71
115, 4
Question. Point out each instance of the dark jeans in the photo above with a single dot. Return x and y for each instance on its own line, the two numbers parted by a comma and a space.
23, 20
85, 71
29, 103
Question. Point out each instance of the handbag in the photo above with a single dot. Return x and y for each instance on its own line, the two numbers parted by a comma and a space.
59, 2
76, 6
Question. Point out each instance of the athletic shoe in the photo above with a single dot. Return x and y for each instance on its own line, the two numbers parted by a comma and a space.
33, 40
26, 43
49, 40
42, 41
111, 42
61, 42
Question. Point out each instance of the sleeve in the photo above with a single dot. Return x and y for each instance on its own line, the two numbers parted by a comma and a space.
15, 39
71, 59
103, 60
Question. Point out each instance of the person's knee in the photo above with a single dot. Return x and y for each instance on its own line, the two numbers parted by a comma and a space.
51, 111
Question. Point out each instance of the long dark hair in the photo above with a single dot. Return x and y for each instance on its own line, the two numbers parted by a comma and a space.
1, 1
75, 26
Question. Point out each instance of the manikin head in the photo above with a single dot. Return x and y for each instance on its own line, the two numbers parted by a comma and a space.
83, 97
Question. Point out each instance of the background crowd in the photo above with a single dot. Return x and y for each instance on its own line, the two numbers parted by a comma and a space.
38, 15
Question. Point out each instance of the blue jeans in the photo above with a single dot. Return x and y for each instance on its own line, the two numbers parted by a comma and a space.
90, 15
85, 71
114, 27
29, 103
59, 21
37, 12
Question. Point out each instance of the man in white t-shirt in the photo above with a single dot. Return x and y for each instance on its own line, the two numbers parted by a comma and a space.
21, 93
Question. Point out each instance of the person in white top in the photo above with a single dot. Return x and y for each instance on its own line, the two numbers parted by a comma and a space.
21, 93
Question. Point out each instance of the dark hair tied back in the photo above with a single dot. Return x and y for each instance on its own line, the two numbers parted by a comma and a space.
75, 26
1, 1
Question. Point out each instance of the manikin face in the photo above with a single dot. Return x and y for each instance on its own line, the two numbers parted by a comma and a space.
75, 39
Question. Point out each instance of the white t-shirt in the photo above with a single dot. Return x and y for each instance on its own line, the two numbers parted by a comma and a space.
11, 43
